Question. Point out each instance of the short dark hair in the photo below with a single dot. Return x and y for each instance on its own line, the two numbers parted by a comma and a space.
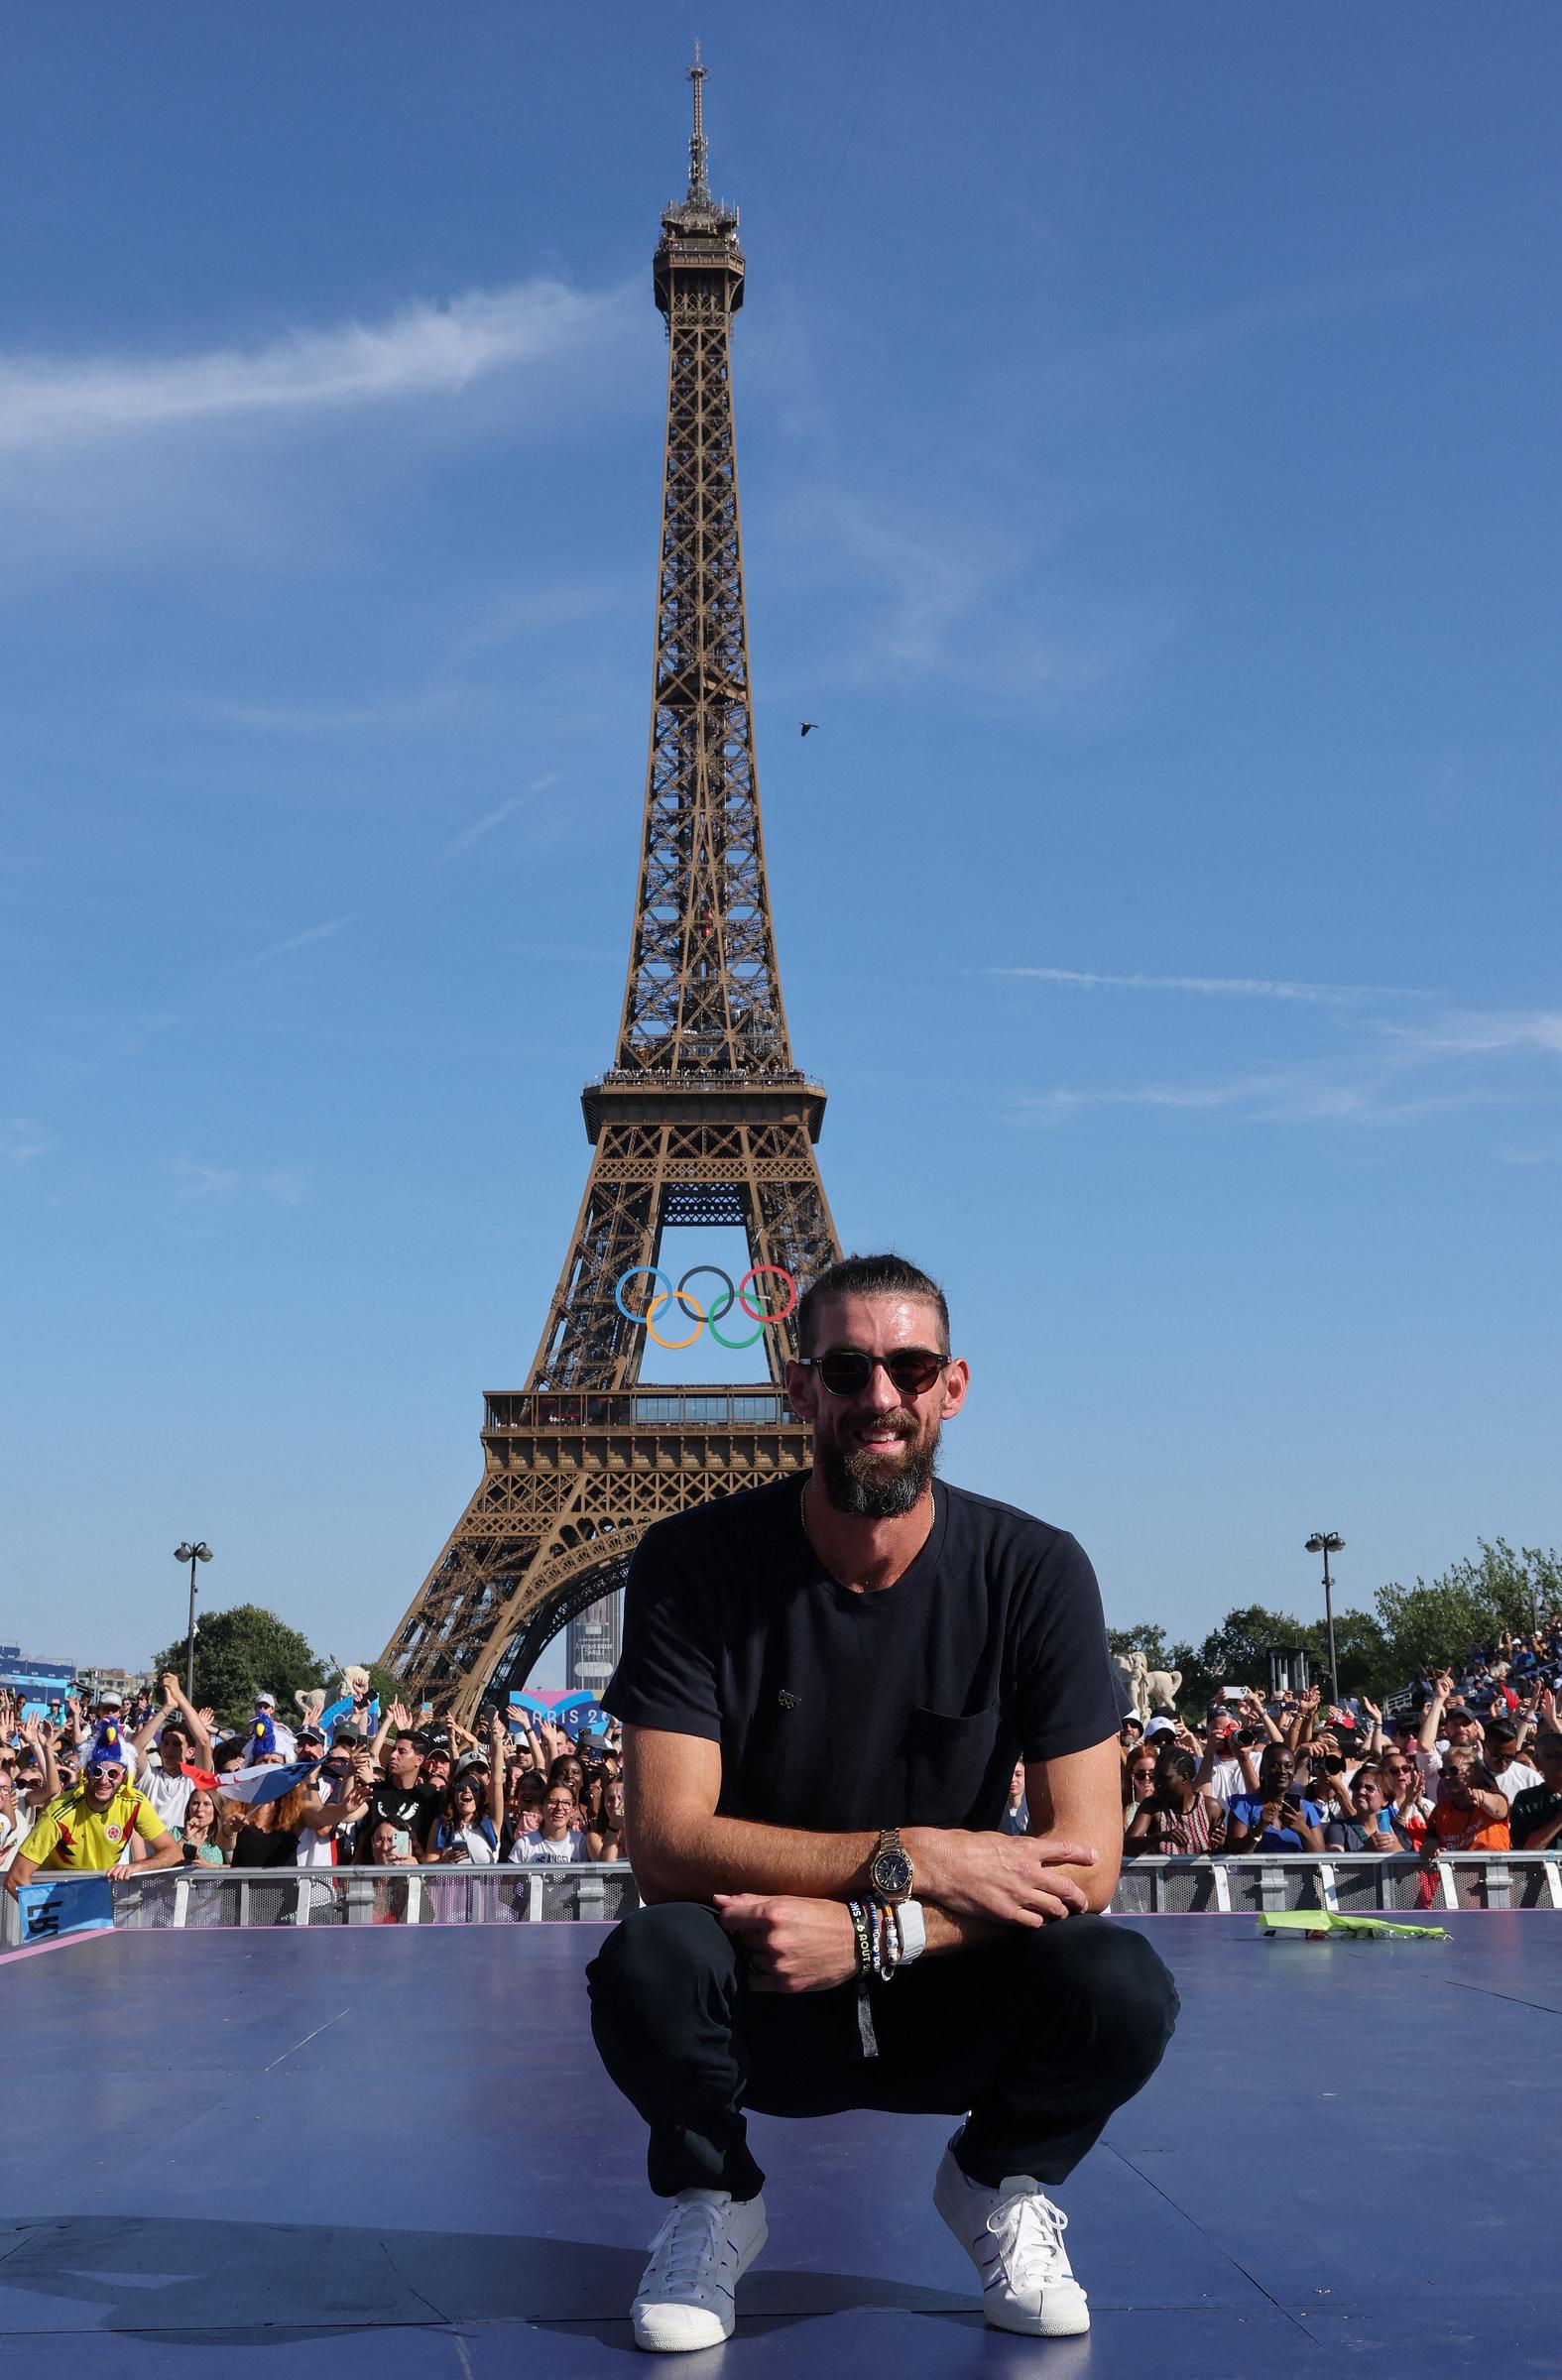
888, 1276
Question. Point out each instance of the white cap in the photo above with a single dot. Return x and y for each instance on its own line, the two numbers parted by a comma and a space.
266, 1698
1161, 1726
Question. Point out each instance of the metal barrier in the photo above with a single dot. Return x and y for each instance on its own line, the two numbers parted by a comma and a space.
201, 1897
196, 1897
1341, 1880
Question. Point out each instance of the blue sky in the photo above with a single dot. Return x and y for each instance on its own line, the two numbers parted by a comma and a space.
1148, 431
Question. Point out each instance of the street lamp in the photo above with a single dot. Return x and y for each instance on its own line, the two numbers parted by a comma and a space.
1327, 1543
200, 1551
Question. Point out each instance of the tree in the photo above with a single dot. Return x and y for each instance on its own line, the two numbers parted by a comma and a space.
1367, 1661
1469, 1604
239, 1652
1233, 1654
1148, 1638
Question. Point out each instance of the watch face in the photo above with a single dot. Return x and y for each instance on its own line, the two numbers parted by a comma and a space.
891, 1871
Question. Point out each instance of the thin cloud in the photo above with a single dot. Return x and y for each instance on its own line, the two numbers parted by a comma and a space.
1299, 1098
23, 1141
305, 941
492, 820
1498, 1032
424, 350
196, 1184
1220, 987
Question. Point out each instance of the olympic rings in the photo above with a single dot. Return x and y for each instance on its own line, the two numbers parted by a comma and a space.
763, 1313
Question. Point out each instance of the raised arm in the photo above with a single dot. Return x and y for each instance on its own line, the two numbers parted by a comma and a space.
180, 1701
396, 1715
41, 1738
1432, 1719
498, 1749
1257, 1713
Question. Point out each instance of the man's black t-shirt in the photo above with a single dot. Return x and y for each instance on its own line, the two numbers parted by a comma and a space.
908, 1706
414, 1807
1535, 1806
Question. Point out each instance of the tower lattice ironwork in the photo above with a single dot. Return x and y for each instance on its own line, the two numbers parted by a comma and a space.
703, 1117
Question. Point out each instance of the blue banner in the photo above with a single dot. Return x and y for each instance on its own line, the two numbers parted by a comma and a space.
65, 1905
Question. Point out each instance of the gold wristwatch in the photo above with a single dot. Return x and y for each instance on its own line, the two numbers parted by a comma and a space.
889, 1870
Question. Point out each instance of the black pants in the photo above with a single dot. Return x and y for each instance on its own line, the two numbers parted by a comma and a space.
1042, 2037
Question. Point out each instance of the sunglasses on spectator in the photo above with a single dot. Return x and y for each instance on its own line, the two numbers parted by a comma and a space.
100, 1770
847, 1371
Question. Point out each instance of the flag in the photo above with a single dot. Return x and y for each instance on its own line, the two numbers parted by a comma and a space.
263, 1783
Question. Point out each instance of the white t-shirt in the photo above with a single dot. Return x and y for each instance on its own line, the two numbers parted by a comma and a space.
1226, 1780
535, 1850
168, 1795
1517, 1777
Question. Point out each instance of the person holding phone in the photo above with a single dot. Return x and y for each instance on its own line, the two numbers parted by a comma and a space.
1277, 1817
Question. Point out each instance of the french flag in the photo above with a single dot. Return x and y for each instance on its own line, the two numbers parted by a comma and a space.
266, 1783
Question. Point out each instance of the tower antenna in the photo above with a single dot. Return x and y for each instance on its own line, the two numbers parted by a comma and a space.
699, 184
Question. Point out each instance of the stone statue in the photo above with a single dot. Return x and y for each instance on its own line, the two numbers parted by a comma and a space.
1149, 1688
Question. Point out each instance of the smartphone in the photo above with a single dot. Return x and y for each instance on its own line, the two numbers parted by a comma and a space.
402, 1844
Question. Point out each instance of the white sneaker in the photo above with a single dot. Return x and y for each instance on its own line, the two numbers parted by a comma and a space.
1014, 2235
686, 2292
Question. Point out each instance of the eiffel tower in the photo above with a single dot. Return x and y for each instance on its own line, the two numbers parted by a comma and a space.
703, 1119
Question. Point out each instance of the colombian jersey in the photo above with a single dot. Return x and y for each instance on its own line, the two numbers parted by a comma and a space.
73, 1835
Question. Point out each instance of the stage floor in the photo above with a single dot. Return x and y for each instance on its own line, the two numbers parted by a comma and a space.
385, 2153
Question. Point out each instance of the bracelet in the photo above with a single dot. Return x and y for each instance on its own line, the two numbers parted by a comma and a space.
887, 1946
910, 1925
860, 1927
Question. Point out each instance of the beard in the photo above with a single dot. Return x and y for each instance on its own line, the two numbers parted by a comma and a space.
877, 1486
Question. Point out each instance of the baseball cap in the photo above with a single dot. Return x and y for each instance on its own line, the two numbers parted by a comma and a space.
265, 1700
109, 1695
1161, 1726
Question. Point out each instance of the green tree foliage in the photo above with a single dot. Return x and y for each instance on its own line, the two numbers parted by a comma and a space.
1369, 1663
1147, 1638
1233, 1654
237, 1653
1380, 1651
1470, 1603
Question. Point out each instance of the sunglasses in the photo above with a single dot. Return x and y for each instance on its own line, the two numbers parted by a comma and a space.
100, 1771
847, 1371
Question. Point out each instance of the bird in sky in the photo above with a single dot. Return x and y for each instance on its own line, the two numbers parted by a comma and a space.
808, 726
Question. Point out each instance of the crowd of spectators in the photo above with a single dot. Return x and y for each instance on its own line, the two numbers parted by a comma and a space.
84, 1787
1473, 1763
